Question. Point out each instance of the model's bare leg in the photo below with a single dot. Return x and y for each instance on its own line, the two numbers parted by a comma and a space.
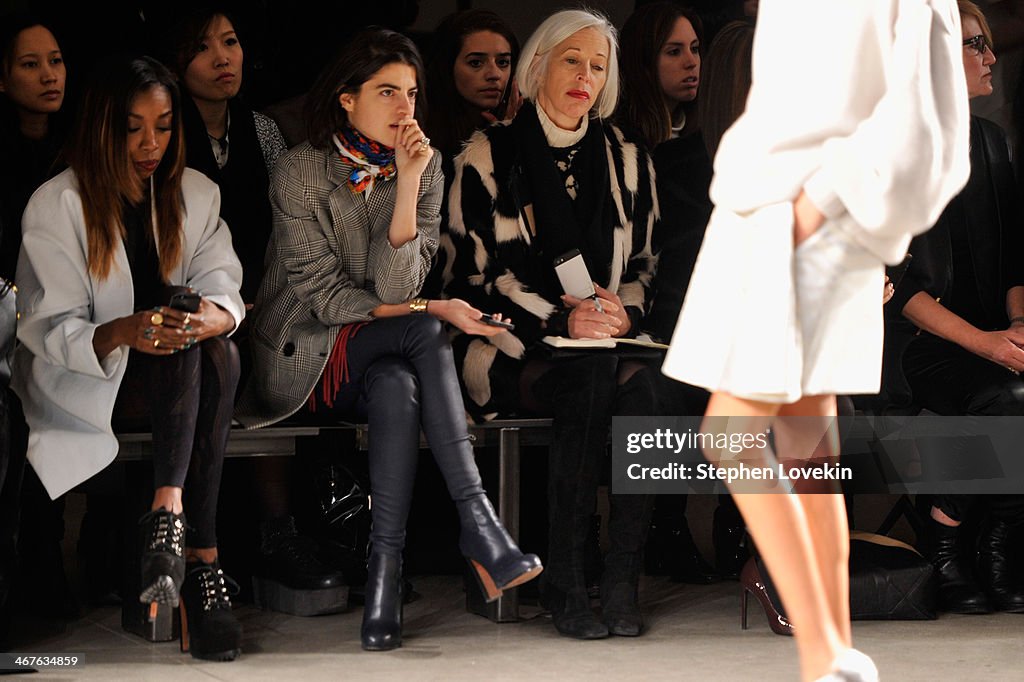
825, 513
780, 527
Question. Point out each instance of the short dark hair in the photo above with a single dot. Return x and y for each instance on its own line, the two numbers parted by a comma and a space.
185, 35
364, 55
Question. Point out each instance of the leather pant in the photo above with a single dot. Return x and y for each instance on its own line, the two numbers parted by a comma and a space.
401, 378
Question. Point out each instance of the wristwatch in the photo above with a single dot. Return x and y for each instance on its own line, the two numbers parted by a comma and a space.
418, 305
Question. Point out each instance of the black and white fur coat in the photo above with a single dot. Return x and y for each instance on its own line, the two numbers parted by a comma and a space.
491, 258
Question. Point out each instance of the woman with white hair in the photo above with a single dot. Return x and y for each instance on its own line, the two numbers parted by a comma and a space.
560, 178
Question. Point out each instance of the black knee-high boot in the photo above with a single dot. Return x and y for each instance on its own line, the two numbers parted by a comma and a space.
392, 399
496, 560
628, 523
579, 394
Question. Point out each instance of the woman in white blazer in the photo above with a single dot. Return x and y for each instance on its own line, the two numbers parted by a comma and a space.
101, 244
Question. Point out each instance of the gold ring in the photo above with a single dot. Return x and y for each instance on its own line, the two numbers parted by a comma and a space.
156, 343
188, 316
157, 319
424, 141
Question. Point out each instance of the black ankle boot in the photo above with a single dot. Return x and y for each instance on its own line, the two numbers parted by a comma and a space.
163, 559
958, 590
382, 614
497, 561
1005, 591
572, 615
727, 535
209, 630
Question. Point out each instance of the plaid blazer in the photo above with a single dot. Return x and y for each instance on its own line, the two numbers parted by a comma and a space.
328, 263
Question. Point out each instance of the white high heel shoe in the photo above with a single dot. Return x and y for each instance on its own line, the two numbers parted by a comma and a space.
852, 666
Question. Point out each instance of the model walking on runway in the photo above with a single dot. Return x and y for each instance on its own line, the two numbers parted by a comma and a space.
783, 311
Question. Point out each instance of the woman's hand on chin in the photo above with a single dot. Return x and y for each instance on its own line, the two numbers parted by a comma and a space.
412, 150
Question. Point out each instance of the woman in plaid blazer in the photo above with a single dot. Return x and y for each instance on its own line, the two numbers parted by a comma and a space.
337, 328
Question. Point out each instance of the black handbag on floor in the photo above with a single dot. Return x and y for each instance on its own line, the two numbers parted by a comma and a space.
889, 580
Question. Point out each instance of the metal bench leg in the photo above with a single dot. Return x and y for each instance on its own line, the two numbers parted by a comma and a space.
507, 606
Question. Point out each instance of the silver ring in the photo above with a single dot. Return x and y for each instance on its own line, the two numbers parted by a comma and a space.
425, 141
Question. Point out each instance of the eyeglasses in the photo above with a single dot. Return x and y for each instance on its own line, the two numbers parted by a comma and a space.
978, 44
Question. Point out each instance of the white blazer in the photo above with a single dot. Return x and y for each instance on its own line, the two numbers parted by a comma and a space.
68, 393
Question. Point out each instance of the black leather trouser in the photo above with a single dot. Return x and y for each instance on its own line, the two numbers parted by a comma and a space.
401, 378
950, 380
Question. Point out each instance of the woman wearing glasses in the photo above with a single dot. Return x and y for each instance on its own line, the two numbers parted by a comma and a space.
964, 291
808, 207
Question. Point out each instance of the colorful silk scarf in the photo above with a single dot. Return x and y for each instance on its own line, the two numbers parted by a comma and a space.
373, 159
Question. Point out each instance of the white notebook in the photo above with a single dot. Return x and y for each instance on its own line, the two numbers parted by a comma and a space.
564, 342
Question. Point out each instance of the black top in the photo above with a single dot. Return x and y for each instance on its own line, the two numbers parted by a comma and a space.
143, 261
969, 260
244, 186
24, 165
683, 175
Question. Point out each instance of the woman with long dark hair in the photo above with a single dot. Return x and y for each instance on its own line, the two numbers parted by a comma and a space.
224, 139
662, 74
33, 84
101, 349
33, 81
469, 77
339, 328
237, 148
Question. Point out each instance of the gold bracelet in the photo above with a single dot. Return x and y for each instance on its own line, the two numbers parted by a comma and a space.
418, 305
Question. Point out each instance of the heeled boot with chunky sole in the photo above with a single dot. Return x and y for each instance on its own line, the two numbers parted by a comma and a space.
209, 629
162, 568
496, 560
382, 614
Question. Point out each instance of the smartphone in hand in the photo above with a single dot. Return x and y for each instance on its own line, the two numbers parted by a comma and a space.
493, 322
573, 274
186, 301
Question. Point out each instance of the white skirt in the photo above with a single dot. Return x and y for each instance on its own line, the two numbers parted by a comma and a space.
765, 322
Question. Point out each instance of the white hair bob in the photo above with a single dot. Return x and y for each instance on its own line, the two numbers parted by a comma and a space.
533, 62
